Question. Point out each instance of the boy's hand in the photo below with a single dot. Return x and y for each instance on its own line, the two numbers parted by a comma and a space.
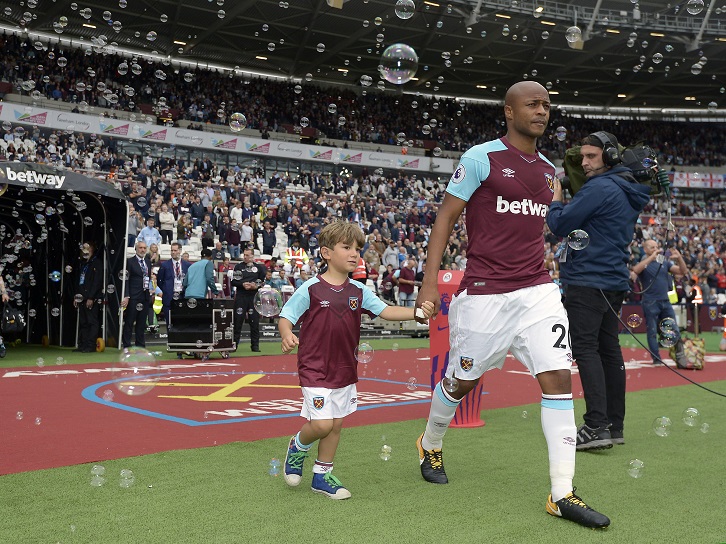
428, 294
426, 310
289, 343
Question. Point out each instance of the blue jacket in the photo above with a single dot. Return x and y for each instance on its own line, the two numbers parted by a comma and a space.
165, 279
607, 208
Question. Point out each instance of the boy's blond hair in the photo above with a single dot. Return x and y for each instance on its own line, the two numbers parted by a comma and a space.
341, 231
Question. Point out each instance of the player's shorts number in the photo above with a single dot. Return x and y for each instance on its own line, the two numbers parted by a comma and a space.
562, 331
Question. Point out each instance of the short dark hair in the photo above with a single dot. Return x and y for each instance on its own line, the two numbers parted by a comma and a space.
206, 252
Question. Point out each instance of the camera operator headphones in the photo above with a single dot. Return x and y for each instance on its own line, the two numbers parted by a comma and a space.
610, 152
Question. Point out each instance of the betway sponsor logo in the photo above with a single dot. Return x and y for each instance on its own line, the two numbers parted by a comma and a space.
78, 123
524, 206
36, 178
182, 135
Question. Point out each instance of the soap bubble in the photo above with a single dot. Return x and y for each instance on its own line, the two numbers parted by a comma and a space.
268, 301
385, 454
398, 63
54, 276
405, 9
364, 353
634, 320
394, 347
705, 427
662, 426
636, 468
412, 384
525, 414
274, 469
237, 122
573, 34
694, 7
668, 339
304, 122
134, 371
691, 417
696, 69
98, 470
668, 324
320, 47
578, 239
561, 134
127, 478
151, 36
450, 384
97, 481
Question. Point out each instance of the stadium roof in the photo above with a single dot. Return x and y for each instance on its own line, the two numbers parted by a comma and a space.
490, 44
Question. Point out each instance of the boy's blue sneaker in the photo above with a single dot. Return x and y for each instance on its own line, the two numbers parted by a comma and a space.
329, 485
294, 464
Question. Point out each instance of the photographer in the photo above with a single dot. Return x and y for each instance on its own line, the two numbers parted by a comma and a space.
653, 272
596, 279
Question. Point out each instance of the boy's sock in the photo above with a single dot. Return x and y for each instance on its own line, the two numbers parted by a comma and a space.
558, 424
321, 467
441, 413
299, 445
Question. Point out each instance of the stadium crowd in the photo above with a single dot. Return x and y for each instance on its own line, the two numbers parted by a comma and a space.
207, 97
228, 208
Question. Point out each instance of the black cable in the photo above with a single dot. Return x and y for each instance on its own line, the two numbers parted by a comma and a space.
657, 356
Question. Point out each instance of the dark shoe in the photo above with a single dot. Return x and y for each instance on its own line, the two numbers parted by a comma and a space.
256, 348
573, 508
593, 439
179, 355
617, 437
432, 464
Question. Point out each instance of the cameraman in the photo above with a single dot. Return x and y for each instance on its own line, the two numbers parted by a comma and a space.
596, 279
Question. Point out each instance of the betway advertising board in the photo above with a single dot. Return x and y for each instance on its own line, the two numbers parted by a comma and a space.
232, 142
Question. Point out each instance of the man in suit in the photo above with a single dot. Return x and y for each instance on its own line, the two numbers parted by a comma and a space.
138, 296
170, 278
88, 298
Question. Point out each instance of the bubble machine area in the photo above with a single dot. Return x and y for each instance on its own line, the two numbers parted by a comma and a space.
46, 214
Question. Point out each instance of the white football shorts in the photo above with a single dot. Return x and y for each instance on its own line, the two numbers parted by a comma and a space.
530, 322
324, 403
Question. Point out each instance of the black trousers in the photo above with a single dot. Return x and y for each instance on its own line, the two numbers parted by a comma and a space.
88, 326
596, 348
244, 311
135, 316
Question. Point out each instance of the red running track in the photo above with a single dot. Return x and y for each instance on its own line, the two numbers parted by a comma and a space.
76, 414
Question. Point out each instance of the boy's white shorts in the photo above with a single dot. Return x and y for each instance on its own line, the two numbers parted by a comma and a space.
530, 322
325, 403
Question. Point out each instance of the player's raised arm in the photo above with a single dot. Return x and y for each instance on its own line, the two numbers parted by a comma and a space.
448, 214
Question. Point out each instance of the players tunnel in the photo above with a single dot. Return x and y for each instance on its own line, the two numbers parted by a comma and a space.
46, 214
